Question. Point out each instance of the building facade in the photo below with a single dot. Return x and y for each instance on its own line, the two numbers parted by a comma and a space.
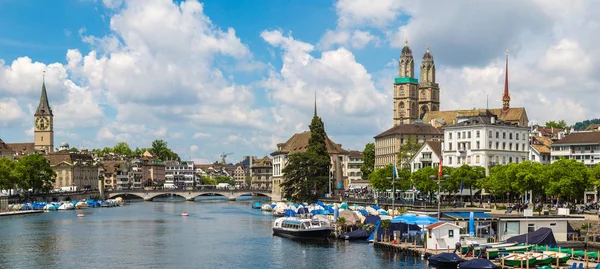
153, 171
355, 162
485, 141
413, 99
239, 174
262, 174
6, 151
580, 146
74, 170
388, 143
117, 175
180, 175
428, 155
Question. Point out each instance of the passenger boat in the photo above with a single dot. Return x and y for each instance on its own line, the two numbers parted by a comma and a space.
302, 228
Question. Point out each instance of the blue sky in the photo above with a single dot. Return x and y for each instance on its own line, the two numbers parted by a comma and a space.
216, 76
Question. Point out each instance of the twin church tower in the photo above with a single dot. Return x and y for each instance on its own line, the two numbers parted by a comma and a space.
414, 98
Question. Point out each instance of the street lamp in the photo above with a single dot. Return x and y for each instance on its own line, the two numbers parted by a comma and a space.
438, 194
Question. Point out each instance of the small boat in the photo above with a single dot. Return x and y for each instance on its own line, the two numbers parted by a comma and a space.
184, 214
477, 247
66, 206
356, 235
80, 215
496, 252
266, 207
562, 257
301, 228
541, 259
519, 260
477, 264
445, 260
256, 205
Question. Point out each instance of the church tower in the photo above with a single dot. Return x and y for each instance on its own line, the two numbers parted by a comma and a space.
405, 89
506, 96
44, 124
429, 91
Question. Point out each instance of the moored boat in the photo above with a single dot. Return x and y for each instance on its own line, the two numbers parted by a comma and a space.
477, 247
562, 257
301, 228
495, 252
519, 260
445, 260
256, 205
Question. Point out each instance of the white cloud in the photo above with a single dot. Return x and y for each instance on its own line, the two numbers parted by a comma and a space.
357, 39
201, 135
193, 148
366, 12
10, 110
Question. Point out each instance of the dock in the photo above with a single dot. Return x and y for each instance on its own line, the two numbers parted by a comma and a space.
24, 212
420, 251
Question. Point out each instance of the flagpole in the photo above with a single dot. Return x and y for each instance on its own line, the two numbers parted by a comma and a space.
393, 188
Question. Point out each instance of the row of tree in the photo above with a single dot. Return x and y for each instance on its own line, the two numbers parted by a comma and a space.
159, 148
32, 173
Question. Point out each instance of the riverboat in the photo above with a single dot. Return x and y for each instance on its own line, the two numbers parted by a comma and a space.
301, 228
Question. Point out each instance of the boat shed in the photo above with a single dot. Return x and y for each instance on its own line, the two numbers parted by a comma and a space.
512, 225
442, 235
486, 225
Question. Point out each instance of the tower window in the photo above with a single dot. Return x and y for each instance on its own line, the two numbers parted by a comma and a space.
42, 138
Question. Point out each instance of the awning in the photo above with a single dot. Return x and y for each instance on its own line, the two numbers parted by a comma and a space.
465, 215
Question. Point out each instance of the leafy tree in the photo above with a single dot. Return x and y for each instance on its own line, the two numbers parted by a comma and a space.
304, 180
381, 178
407, 151
224, 179
449, 184
497, 183
122, 149
159, 147
7, 178
562, 124
34, 172
468, 175
567, 178
423, 182
248, 180
584, 124
307, 173
208, 181
368, 164
73, 149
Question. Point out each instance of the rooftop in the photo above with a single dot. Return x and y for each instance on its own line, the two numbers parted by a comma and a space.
514, 114
411, 129
299, 143
586, 137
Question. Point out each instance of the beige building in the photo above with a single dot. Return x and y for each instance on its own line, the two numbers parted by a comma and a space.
116, 175
43, 130
355, 162
6, 151
74, 169
388, 143
239, 174
153, 170
262, 173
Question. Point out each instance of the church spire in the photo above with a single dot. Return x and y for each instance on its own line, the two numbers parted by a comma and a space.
315, 103
506, 96
44, 107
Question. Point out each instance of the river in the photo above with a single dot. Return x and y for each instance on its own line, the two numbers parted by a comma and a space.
216, 234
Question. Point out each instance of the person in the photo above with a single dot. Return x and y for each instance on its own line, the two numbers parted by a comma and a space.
457, 247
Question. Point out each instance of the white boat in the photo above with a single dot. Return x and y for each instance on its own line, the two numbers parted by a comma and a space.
266, 207
302, 228
66, 206
81, 204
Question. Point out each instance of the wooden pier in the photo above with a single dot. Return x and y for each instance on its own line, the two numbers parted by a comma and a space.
421, 251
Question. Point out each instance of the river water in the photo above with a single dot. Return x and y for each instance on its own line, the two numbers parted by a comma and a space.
217, 234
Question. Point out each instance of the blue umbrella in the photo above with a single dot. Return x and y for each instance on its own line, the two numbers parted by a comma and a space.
289, 213
318, 212
425, 220
321, 204
406, 218
471, 224
364, 212
375, 207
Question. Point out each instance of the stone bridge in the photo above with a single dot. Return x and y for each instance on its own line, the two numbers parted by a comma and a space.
190, 195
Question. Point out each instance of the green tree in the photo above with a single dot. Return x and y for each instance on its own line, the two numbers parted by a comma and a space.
7, 177
248, 180
368, 164
304, 180
407, 151
73, 149
468, 176
561, 124
122, 149
159, 147
595, 172
567, 178
423, 182
34, 172
497, 183
208, 181
224, 179
381, 178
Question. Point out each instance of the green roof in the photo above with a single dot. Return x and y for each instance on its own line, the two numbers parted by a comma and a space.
406, 80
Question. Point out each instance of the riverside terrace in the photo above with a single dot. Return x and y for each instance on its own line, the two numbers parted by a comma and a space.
190, 195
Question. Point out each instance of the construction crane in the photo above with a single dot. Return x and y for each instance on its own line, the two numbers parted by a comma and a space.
223, 156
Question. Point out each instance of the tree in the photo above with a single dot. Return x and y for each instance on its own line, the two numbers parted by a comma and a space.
159, 147
407, 151
73, 149
122, 149
224, 179
208, 181
248, 180
7, 178
34, 172
562, 124
381, 178
368, 164
468, 176
579, 126
423, 182
567, 178
307, 173
497, 183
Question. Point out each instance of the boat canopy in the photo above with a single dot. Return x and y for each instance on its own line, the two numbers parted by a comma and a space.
477, 264
542, 236
446, 257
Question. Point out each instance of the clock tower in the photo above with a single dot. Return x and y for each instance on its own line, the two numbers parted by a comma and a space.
43, 127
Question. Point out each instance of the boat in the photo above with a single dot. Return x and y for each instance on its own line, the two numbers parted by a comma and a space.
477, 247
66, 206
184, 214
445, 260
477, 264
562, 257
519, 260
356, 235
301, 228
496, 252
266, 207
541, 259
80, 215
256, 205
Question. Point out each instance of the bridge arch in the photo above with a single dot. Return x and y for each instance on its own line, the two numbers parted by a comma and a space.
123, 195
250, 193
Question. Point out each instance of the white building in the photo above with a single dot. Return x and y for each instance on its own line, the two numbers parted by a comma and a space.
513, 225
355, 162
180, 174
539, 149
484, 141
442, 235
428, 155
388, 143
580, 146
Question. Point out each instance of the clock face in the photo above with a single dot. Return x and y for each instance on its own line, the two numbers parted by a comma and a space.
42, 123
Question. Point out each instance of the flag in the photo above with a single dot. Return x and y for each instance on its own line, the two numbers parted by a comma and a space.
461, 187
440, 171
395, 171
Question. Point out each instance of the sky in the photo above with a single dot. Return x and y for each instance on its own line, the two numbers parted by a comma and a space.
239, 77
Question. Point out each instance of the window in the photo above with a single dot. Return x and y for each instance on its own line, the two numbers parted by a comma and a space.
429, 233
530, 227
477, 145
449, 160
490, 134
490, 145
509, 146
517, 147
497, 134
510, 136
457, 135
517, 136
510, 159
553, 224
477, 134
497, 145
449, 146
503, 145
450, 233
477, 160
511, 227
449, 135
504, 135
468, 134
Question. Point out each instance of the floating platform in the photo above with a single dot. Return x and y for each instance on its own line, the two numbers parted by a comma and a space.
24, 212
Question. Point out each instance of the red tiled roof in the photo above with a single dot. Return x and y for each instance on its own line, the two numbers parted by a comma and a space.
580, 138
437, 224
